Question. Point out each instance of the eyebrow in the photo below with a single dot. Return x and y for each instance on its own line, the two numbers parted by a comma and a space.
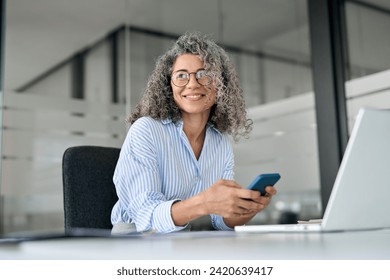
186, 70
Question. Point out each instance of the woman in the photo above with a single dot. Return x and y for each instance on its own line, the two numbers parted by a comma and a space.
176, 163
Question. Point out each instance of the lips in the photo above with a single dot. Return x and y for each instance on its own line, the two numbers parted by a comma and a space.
194, 96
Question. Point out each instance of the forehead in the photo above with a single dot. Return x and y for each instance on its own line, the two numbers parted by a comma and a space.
189, 62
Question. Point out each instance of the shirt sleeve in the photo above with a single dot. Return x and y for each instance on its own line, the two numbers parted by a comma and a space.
138, 184
217, 221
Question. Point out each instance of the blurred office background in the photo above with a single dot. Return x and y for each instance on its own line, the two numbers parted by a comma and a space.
74, 69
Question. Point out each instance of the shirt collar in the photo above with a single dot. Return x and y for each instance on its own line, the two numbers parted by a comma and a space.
179, 125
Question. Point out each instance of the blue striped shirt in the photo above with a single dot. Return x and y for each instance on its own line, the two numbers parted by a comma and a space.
157, 167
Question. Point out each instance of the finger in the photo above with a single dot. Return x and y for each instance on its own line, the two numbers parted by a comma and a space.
241, 212
251, 205
270, 191
249, 195
265, 200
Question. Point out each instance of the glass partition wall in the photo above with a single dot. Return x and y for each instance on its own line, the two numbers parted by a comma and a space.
60, 91
368, 82
74, 69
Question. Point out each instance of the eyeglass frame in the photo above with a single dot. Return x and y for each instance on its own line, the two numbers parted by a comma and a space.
189, 77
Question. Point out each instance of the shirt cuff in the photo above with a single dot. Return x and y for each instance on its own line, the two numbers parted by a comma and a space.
219, 224
162, 218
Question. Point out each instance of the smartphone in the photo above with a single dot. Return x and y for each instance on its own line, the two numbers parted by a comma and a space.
264, 180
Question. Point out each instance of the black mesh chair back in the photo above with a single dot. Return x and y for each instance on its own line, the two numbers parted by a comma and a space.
88, 188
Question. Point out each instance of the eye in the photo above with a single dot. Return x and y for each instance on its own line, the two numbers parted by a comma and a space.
181, 75
201, 74
203, 77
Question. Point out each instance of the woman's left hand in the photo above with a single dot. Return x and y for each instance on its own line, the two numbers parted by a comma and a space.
263, 200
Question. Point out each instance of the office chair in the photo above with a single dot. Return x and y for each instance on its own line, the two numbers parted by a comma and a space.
88, 189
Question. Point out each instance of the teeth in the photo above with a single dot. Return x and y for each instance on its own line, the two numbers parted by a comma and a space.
194, 95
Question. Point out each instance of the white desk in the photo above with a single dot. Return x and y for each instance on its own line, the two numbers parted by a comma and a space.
362, 245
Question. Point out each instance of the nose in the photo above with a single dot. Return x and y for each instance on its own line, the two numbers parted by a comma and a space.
192, 81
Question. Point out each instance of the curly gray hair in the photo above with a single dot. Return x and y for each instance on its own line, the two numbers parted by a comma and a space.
228, 115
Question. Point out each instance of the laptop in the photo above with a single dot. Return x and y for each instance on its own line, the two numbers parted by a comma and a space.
360, 198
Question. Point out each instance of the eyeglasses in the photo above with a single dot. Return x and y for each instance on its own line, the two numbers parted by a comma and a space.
181, 78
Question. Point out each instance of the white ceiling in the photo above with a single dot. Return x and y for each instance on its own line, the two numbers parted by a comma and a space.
42, 33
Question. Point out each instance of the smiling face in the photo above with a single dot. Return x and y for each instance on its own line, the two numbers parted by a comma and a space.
192, 98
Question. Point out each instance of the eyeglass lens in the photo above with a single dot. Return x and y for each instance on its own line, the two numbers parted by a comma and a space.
181, 78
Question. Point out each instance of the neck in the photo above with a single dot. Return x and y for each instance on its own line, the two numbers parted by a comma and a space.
194, 126
195, 130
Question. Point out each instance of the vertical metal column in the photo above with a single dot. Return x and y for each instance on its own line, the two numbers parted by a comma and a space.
326, 18
113, 38
78, 67
2, 45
